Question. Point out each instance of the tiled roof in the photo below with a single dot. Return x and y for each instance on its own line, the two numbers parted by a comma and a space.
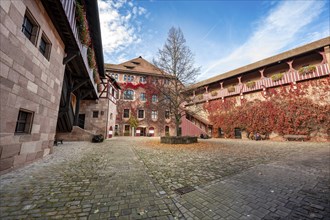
136, 66
274, 59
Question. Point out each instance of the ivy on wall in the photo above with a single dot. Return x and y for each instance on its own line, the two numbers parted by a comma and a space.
284, 110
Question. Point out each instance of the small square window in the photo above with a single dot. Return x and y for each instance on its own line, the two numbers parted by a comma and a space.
24, 122
126, 113
95, 114
141, 113
45, 46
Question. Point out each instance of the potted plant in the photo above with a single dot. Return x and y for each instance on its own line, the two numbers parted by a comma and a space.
231, 89
277, 77
96, 76
82, 24
251, 84
91, 57
99, 87
306, 70
214, 93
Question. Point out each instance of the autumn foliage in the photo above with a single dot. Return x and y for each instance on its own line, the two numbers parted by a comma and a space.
284, 110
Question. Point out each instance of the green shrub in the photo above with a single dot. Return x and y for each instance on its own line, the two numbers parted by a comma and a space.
231, 89
251, 84
306, 70
214, 93
277, 77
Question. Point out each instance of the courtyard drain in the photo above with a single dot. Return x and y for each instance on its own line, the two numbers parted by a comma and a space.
184, 190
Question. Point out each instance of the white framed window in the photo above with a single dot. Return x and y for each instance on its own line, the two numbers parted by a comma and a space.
128, 95
143, 97
126, 113
114, 75
143, 79
154, 98
140, 113
154, 114
130, 78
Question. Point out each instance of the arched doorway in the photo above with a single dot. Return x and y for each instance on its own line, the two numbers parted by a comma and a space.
110, 132
151, 131
167, 130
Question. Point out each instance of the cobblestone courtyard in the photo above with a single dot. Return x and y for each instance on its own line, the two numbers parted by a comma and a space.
136, 178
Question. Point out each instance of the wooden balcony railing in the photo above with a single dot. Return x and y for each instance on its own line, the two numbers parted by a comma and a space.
288, 77
69, 7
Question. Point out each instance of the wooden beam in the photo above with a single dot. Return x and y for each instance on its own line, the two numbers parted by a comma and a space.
76, 115
69, 56
85, 95
77, 86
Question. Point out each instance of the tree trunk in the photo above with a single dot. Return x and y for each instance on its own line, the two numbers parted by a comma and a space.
177, 127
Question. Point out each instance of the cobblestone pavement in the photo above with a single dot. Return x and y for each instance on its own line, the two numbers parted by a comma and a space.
249, 180
135, 178
85, 181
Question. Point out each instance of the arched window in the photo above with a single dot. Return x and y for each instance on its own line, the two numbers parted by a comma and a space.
128, 94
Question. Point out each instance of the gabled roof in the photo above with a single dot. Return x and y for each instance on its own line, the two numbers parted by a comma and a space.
136, 66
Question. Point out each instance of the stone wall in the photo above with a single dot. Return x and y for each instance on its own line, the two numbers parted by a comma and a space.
28, 81
112, 114
77, 134
95, 124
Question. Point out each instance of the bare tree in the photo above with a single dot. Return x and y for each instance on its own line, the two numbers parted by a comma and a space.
177, 60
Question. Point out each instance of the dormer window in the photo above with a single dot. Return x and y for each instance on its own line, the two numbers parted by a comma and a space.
129, 67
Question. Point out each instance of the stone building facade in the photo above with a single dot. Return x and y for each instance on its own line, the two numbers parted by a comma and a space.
303, 73
39, 49
141, 109
98, 116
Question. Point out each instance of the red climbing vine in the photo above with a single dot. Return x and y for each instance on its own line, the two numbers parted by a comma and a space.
285, 110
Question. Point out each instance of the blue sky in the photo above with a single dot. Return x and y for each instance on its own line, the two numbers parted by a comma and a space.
223, 35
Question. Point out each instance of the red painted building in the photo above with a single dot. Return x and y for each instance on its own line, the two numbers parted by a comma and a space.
303, 71
141, 109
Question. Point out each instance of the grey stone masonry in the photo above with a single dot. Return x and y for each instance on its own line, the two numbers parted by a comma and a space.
115, 180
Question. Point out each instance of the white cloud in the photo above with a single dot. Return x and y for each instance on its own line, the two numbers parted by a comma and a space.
120, 27
274, 33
